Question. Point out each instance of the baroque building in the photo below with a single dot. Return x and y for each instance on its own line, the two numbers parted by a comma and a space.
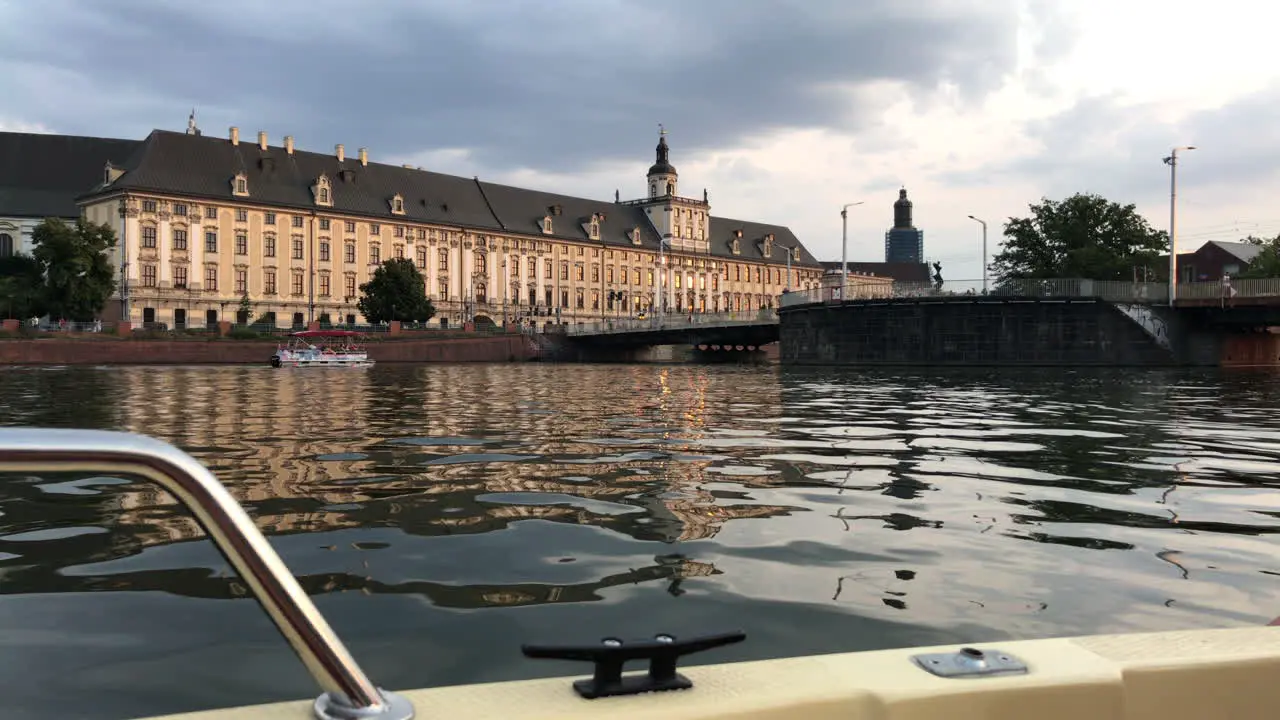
207, 224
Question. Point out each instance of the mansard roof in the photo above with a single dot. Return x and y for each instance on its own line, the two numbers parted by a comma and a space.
202, 167
41, 175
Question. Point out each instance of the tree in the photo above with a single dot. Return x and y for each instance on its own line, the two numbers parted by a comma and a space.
396, 291
243, 309
1266, 264
21, 286
1084, 236
78, 276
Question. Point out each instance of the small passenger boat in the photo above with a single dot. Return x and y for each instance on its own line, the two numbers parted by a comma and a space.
1179, 675
322, 348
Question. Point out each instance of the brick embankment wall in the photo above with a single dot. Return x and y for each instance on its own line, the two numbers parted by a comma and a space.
110, 351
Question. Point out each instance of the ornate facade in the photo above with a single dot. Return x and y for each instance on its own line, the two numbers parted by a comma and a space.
206, 223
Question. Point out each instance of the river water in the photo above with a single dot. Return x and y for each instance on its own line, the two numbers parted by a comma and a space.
442, 515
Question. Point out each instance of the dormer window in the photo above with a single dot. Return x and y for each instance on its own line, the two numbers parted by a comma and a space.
635, 236
240, 185
546, 225
593, 229
397, 204
322, 191
768, 245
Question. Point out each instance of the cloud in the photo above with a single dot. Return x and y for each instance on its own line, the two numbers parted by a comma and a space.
1112, 146
557, 87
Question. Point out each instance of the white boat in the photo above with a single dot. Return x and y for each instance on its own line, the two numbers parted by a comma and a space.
322, 348
1181, 675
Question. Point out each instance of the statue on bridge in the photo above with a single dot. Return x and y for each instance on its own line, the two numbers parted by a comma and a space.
937, 276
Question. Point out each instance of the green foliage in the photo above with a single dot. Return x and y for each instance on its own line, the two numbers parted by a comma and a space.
242, 333
245, 307
1267, 262
21, 287
78, 276
1083, 236
396, 291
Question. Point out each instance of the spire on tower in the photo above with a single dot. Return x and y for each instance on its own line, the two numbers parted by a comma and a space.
191, 123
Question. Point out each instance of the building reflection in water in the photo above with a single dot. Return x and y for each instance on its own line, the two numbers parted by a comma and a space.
430, 451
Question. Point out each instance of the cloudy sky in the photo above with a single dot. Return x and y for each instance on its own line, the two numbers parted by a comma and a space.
783, 109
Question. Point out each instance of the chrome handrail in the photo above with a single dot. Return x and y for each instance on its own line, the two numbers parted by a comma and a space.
348, 692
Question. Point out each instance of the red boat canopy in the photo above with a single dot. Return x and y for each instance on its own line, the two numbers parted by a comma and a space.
326, 333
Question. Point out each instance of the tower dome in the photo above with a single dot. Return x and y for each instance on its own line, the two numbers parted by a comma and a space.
663, 164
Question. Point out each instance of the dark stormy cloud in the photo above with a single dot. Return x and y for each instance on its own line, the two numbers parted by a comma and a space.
553, 86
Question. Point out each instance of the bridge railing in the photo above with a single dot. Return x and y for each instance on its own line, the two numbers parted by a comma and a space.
1215, 289
673, 321
1113, 290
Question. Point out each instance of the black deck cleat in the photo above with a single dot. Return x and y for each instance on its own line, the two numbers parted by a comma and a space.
662, 652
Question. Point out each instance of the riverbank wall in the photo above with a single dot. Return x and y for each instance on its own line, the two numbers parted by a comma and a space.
108, 350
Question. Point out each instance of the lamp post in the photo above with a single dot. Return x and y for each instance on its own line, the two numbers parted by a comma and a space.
844, 246
984, 251
1172, 162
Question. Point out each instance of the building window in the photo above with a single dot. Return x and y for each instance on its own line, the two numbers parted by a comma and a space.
179, 276
211, 277
269, 246
149, 206
580, 272
350, 285
444, 259
148, 276
546, 225
240, 186
269, 218
422, 258
321, 191
349, 253
595, 273
242, 215
399, 231
375, 229
579, 302
242, 244
296, 221
242, 282
595, 230
564, 271
296, 282
549, 272
375, 255
269, 281
350, 226
180, 209
399, 250
324, 284
482, 292
211, 242
296, 244
211, 213
149, 236
324, 223
482, 263
564, 298
179, 239
397, 205
324, 251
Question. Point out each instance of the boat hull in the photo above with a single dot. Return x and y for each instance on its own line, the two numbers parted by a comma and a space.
1183, 675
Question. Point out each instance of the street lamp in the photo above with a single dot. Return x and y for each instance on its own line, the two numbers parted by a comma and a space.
844, 246
790, 251
1172, 162
984, 251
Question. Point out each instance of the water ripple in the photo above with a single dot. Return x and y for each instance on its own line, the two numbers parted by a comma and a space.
442, 515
